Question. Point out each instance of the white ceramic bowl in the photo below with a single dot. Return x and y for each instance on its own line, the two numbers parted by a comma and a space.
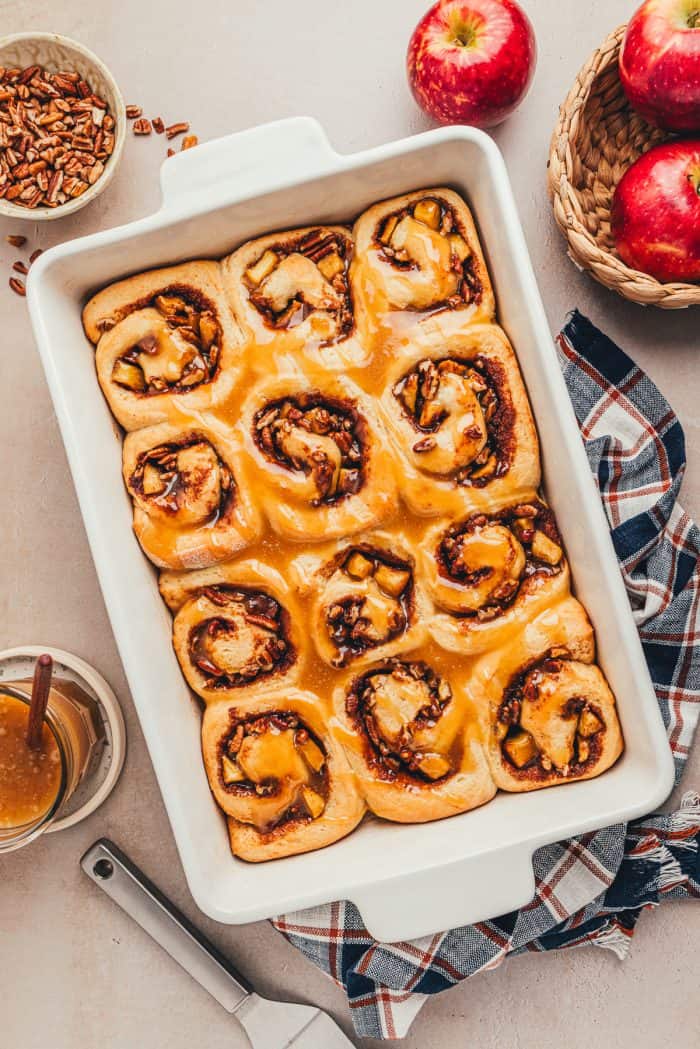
55, 53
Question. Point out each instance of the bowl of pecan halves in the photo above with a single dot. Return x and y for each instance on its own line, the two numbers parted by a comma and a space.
62, 126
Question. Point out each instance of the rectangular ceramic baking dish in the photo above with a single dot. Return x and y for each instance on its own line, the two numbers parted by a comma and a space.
406, 880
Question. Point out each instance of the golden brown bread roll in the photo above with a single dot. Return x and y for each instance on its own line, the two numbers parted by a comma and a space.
237, 630
413, 741
291, 296
278, 774
460, 422
552, 715
317, 458
366, 602
166, 342
489, 574
190, 509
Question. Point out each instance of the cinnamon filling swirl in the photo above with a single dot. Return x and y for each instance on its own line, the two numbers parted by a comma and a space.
276, 770
186, 479
321, 437
462, 416
547, 724
247, 639
428, 236
376, 603
398, 707
299, 276
179, 348
487, 558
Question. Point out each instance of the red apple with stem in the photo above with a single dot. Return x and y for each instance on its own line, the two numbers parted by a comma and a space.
655, 216
660, 63
471, 61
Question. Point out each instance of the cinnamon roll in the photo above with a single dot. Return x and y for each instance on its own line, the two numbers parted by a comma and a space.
420, 254
276, 771
490, 573
459, 418
166, 343
413, 741
190, 510
237, 630
316, 456
366, 603
291, 295
552, 715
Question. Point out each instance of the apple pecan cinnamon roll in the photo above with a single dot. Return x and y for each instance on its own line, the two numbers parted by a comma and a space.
190, 510
166, 343
553, 716
276, 771
420, 253
460, 420
366, 603
492, 572
291, 294
412, 741
237, 629
316, 454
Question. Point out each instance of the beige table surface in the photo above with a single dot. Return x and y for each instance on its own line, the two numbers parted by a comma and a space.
76, 973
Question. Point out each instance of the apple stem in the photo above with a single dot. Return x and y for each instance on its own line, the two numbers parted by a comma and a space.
693, 19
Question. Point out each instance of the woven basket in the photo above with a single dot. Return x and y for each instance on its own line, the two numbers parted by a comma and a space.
598, 136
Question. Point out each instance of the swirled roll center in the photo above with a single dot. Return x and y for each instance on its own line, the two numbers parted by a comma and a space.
237, 637
186, 480
274, 770
484, 567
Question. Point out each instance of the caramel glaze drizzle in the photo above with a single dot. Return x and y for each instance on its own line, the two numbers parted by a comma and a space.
190, 313
418, 388
508, 721
448, 222
275, 722
273, 651
400, 761
348, 627
316, 246
523, 520
162, 466
328, 419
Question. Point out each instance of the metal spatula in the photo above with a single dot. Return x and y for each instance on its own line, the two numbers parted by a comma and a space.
268, 1024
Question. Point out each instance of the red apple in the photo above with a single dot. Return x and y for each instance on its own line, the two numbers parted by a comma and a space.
660, 63
656, 212
471, 61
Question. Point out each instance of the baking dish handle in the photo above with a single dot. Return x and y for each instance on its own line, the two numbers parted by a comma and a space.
460, 893
245, 162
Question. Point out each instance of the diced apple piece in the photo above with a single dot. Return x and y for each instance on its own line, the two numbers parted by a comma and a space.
459, 246
208, 329
428, 211
358, 566
313, 801
584, 750
331, 265
312, 754
521, 749
172, 306
263, 268
230, 771
434, 766
124, 373
589, 724
486, 470
389, 227
391, 580
153, 483
544, 549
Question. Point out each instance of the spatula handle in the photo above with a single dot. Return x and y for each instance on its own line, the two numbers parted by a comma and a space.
116, 875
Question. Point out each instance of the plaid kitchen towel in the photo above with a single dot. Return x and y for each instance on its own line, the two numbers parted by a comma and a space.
591, 889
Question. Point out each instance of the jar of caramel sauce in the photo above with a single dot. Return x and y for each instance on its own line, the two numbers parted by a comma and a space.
36, 784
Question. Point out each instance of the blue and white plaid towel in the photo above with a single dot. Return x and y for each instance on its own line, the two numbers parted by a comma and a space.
590, 889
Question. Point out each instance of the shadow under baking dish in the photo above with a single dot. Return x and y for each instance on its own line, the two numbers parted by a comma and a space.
407, 880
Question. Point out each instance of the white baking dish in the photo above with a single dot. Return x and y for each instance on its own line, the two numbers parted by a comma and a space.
406, 880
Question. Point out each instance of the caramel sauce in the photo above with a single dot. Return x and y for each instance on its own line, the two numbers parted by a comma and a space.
30, 780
